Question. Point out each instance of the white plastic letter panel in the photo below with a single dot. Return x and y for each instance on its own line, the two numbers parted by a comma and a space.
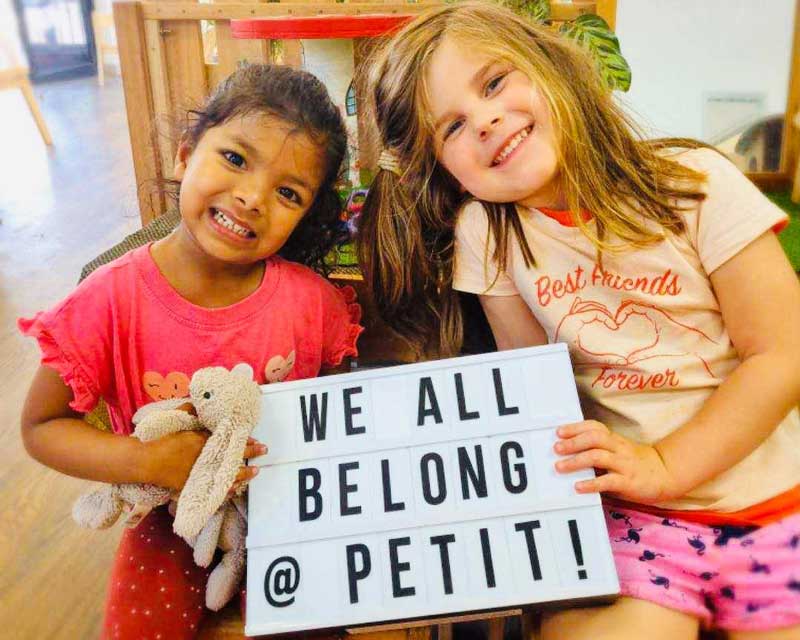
440, 498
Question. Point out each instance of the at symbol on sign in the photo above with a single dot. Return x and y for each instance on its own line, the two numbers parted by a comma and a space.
282, 579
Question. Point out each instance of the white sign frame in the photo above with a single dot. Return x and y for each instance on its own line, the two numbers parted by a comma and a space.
485, 520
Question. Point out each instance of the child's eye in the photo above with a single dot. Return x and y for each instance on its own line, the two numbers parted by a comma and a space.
452, 128
234, 158
494, 83
289, 194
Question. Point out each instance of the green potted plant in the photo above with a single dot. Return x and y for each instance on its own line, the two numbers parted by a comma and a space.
590, 31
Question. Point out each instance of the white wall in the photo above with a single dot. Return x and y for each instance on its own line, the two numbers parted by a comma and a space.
9, 28
680, 50
332, 62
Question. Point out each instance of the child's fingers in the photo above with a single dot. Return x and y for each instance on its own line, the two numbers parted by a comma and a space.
592, 459
254, 449
188, 407
607, 483
576, 428
591, 439
243, 476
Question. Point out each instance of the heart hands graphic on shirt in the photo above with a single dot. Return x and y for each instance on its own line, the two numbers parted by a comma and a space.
648, 332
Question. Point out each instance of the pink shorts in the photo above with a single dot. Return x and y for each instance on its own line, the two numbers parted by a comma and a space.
735, 578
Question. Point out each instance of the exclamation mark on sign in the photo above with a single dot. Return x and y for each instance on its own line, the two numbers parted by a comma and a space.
576, 547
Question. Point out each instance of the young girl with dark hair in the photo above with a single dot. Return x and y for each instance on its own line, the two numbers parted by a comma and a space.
234, 283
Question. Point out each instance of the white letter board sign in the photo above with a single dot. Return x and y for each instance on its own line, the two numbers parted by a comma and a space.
420, 490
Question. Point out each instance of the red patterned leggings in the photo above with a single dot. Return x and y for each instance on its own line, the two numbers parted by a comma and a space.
155, 589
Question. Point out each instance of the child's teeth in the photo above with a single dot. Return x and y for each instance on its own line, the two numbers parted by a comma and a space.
226, 222
512, 144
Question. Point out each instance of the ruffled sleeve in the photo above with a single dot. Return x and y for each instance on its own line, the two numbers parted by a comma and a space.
341, 325
55, 357
74, 341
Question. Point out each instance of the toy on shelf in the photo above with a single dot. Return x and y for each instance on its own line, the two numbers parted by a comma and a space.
345, 255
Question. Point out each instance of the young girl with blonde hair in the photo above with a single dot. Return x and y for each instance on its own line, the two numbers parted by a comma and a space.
510, 172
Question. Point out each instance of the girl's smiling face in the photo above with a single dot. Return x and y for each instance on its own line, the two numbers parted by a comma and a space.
246, 186
493, 129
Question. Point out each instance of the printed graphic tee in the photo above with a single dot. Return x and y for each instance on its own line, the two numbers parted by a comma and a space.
644, 330
125, 335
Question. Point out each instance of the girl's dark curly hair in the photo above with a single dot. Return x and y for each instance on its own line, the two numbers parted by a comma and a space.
299, 98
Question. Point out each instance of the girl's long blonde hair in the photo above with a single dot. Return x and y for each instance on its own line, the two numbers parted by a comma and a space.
605, 167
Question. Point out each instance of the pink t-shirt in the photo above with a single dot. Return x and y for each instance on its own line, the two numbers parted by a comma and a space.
125, 335
644, 328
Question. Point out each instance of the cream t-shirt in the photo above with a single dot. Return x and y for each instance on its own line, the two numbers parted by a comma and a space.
645, 331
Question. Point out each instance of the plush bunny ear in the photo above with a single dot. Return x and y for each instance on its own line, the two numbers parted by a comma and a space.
206, 544
244, 369
98, 509
211, 477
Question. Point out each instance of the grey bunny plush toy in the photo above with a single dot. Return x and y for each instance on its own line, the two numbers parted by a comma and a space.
227, 404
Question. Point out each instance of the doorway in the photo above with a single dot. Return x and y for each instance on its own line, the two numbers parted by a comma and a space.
57, 37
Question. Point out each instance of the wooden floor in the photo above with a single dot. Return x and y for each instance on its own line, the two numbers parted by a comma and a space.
59, 207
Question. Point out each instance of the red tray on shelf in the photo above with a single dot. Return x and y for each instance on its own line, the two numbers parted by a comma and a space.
317, 27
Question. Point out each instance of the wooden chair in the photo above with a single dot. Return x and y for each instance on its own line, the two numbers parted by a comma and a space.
14, 75
103, 26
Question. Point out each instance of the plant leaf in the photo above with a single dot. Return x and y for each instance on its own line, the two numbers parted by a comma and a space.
593, 32
538, 10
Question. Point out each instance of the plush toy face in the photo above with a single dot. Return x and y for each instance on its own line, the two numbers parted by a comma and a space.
217, 393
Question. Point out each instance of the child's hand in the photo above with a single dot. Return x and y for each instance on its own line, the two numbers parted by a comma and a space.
631, 470
246, 474
171, 458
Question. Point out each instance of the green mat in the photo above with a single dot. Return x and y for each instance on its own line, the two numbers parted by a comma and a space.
790, 236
